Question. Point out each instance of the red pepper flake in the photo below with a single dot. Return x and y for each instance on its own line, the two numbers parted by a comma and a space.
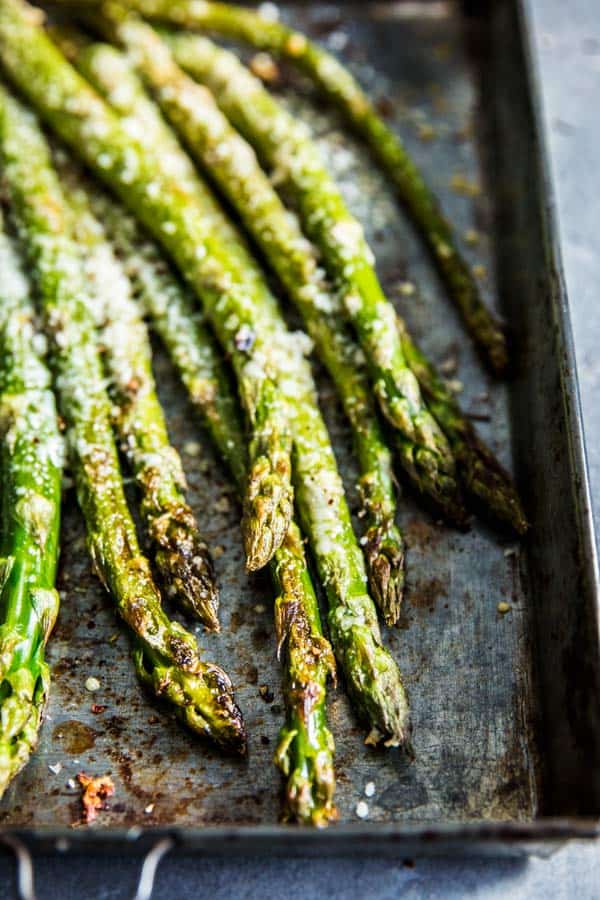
98, 708
95, 792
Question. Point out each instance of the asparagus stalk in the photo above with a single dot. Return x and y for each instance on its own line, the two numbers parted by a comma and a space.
485, 480
284, 146
180, 554
232, 163
306, 748
338, 85
30, 474
184, 221
232, 298
165, 654
266, 124
372, 677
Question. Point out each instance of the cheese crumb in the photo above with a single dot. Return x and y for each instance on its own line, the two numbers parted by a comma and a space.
269, 11
362, 809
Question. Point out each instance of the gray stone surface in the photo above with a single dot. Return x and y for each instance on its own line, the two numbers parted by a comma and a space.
567, 50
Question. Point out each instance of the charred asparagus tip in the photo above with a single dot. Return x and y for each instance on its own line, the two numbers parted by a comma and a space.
268, 511
384, 556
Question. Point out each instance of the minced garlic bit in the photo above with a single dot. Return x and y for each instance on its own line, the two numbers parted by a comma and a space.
362, 809
222, 505
92, 684
426, 132
454, 385
296, 44
449, 365
192, 448
460, 184
503, 607
369, 788
56, 768
149, 809
264, 67
472, 237
406, 288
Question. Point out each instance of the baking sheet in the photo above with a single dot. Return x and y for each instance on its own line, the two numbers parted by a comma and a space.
485, 747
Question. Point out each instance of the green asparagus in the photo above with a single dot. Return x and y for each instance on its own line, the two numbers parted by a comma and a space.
485, 480
305, 751
284, 146
341, 88
30, 477
183, 220
372, 677
165, 654
259, 116
179, 552
375, 685
232, 298
231, 161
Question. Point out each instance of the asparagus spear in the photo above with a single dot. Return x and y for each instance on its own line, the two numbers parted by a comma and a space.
185, 225
180, 554
266, 124
342, 90
305, 750
235, 169
485, 480
165, 654
175, 218
30, 474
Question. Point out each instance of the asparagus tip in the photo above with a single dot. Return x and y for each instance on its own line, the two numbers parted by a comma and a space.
490, 486
186, 570
497, 354
202, 695
265, 524
384, 554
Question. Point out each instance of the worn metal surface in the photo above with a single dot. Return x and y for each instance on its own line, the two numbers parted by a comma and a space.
452, 87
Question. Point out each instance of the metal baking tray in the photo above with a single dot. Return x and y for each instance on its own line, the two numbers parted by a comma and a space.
505, 707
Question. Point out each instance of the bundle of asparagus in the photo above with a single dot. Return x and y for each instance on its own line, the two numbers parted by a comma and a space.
305, 752
165, 653
127, 114
339, 86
